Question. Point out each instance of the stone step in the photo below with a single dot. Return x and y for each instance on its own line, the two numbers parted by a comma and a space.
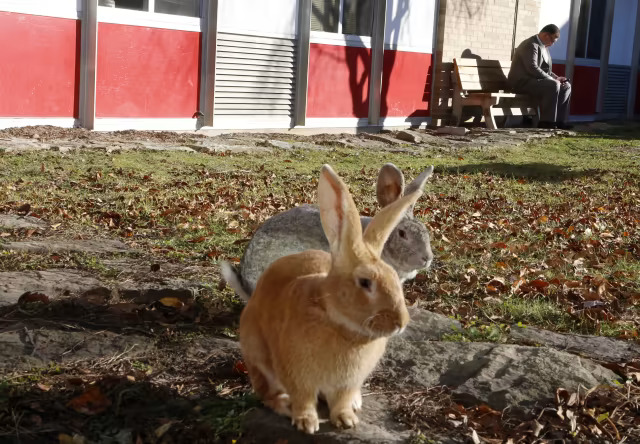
56, 283
94, 246
14, 221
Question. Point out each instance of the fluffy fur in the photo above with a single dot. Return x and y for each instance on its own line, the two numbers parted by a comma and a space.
408, 249
318, 322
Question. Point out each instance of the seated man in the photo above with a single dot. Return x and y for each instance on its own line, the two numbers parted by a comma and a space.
531, 74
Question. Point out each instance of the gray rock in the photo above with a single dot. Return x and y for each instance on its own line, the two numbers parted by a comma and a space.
308, 146
23, 348
408, 136
278, 144
376, 427
344, 143
50, 282
101, 246
426, 325
382, 138
12, 221
453, 130
498, 375
594, 347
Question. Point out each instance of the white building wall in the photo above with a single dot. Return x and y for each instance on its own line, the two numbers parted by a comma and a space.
624, 22
410, 25
557, 12
50, 8
269, 18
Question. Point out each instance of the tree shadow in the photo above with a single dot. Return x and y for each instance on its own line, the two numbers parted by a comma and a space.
612, 129
104, 406
392, 37
533, 171
357, 55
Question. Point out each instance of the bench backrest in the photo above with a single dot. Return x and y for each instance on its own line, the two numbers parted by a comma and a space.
481, 75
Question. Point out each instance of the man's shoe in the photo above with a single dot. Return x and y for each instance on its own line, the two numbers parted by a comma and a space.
564, 125
546, 125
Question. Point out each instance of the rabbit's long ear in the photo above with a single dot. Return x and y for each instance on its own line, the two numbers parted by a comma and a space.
418, 184
390, 185
383, 223
338, 213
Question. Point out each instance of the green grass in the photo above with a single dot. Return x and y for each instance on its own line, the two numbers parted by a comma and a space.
531, 212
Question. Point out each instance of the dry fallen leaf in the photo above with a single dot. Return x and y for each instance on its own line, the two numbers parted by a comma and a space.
91, 402
43, 387
171, 302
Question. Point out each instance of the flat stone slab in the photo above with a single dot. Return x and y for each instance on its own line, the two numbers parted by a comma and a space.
50, 282
384, 138
100, 246
13, 221
262, 425
426, 325
278, 144
408, 136
23, 348
594, 347
499, 375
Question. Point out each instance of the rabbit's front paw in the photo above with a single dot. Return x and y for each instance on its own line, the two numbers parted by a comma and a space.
345, 419
356, 402
307, 422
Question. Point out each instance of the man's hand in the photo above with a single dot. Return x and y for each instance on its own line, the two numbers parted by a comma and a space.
562, 79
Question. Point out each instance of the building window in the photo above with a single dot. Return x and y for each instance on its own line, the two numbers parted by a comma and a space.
590, 29
352, 17
189, 8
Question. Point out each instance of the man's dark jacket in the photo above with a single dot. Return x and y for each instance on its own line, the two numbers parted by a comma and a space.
529, 63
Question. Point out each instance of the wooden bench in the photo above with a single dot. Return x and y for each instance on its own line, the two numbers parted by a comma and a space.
484, 83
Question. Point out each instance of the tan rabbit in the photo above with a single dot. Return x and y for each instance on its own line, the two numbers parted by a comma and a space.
317, 323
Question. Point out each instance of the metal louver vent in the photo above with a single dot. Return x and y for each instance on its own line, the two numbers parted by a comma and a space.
254, 76
617, 90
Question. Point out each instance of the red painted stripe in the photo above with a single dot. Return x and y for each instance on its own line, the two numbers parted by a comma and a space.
406, 84
147, 72
39, 73
338, 81
584, 88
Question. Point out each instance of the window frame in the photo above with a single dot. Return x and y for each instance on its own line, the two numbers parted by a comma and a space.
133, 17
338, 37
582, 58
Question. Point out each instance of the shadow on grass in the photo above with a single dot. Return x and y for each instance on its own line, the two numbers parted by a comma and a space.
118, 410
622, 130
535, 171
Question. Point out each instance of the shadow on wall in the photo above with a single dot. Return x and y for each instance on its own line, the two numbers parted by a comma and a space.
358, 56
468, 8
393, 26
471, 111
469, 54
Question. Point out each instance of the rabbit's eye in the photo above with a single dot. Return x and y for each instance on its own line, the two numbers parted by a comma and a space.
402, 234
365, 283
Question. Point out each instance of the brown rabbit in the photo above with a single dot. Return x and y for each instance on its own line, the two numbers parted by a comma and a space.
317, 323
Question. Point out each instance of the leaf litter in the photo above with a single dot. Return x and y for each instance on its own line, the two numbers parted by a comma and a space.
561, 254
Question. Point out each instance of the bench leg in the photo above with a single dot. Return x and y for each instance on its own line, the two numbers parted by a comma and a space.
489, 118
456, 112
